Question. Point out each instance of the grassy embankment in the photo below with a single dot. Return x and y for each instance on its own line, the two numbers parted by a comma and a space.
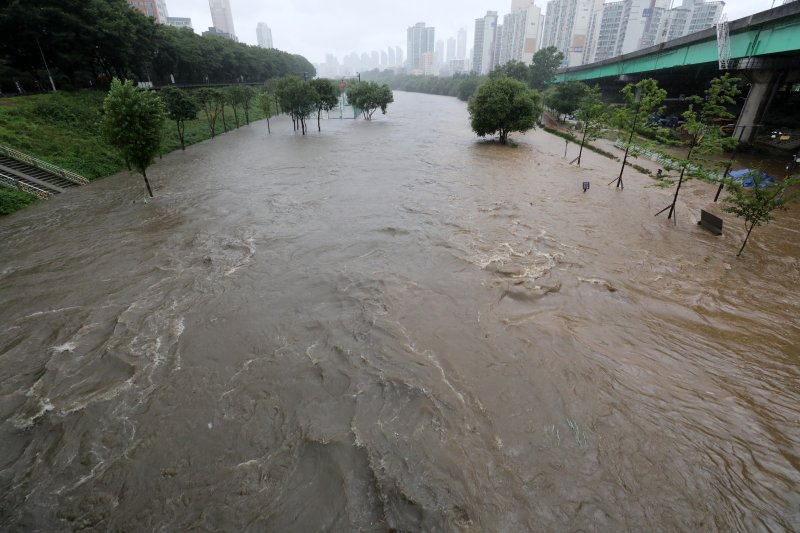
63, 129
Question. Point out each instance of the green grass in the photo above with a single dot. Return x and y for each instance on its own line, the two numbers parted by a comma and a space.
12, 200
63, 129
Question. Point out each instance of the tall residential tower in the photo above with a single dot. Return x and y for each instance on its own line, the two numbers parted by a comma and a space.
222, 17
264, 35
420, 42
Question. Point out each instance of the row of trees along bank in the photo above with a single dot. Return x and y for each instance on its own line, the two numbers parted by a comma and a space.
133, 119
538, 75
503, 104
89, 42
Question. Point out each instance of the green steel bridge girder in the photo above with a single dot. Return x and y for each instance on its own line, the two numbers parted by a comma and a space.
780, 37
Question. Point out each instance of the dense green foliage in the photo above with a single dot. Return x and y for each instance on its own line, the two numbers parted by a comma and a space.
327, 96
89, 42
298, 99
755, 205
132, 123
564, 98
502, 105
370, 96
12, 200
543, 67
538, 75
180, 108
461, 86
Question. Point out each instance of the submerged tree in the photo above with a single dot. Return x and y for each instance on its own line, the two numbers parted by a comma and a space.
642, 99
298, 98
266, 103
502, 105
592, 113
233, 96
327, 96
369, 97
704, 137
132, 123
755, 204
180, 108
247, 94
209, 103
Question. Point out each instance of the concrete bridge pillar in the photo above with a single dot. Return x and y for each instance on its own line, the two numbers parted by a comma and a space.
763, 84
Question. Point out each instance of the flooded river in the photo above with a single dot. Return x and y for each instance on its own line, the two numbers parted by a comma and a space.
393, 325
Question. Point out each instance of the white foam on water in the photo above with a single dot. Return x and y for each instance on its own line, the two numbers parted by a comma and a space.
66, 347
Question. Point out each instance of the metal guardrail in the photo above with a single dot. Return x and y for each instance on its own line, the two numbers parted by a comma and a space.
44, 165
13, 183
668, 161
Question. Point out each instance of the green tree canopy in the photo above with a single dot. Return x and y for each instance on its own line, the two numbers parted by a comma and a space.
369, 97
544, 64
297, 98
180, 107
513, 69
502, 105
87, 42
327, 96
132, 122
564, 98
209, 100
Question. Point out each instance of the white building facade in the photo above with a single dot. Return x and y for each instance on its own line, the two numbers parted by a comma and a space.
264, 35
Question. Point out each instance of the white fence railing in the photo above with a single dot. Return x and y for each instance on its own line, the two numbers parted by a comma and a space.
44, 165
13, 183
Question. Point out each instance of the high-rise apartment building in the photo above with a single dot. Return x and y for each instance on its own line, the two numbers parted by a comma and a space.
152, 8
264, 35
451, 49
519, 38
222, 17
461, 46
483, 50
624, 26
420, 41
566, 27
398, 56
391, 57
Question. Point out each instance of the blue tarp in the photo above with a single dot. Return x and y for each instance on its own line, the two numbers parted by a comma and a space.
749, 176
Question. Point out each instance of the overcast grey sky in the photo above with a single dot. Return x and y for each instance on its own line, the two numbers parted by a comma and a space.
313, 28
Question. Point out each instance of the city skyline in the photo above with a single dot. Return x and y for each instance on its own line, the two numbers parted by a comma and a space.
343, 34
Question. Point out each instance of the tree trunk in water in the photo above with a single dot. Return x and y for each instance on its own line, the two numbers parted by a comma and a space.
224, 123
269, 131
147, 182
319, 112
583, 141
745, 239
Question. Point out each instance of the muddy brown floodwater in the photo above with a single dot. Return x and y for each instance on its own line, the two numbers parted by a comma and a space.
392, 325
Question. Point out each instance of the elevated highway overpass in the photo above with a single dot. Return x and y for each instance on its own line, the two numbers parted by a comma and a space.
764, 48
